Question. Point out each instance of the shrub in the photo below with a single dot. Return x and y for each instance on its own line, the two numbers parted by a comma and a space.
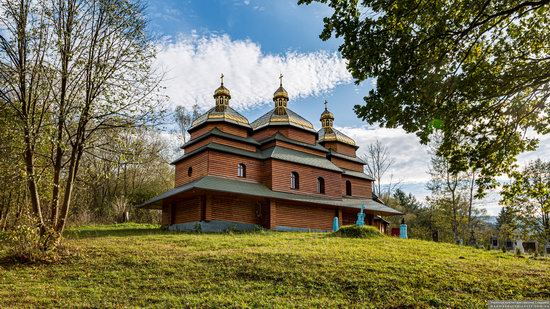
197, 228
27, 243
354, 231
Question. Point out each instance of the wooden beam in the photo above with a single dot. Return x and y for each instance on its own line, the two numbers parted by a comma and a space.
208, 208
272, 215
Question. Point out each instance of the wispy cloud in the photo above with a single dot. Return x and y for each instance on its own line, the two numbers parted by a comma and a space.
411, 158
193, 66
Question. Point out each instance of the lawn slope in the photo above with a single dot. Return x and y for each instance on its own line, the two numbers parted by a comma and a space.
134, 265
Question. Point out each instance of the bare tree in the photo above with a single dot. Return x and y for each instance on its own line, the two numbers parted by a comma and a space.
184, 118
378, 162
71, 69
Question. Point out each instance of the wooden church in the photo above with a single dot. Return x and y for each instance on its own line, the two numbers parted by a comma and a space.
277, 172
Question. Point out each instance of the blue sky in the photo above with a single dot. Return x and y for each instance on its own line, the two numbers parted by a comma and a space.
251, 42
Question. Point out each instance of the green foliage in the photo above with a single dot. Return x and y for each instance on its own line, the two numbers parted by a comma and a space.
518, 252
27, 243
355, 231
197, 228
129, 168
128, 265
477, 71
528, 197
507, 224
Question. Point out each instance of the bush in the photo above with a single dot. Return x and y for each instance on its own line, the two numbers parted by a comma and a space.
28, 244
354, 231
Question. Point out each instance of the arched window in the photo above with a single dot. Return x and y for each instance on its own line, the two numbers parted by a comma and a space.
294, 181
241, 170
189, 171
348, 187
321, 185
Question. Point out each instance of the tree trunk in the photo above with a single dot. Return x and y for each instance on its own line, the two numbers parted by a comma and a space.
73, 168
31, 181
472, 240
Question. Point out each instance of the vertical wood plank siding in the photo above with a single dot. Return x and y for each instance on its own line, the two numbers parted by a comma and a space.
302, 136
221, 141
340, 148
349, 165
224, 127
166, 214
235, 210
188, 210
280, 179
303, 216
359, 187
199, 164
225, 165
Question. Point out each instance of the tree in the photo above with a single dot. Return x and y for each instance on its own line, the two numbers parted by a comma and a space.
507, 224
378, 162
184, 118
447, 190
529, 195
69, 70
478, 71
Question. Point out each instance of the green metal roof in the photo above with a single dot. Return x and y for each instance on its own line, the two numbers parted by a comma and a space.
279, 153
220, 184
345, 157
357, 174
294, 156
222, 148
219, 133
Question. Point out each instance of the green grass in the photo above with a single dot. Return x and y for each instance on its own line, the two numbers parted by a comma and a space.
138, 265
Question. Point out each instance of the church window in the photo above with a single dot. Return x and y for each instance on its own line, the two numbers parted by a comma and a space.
190, 171
241, 170
294, 181
321, 185
348, 187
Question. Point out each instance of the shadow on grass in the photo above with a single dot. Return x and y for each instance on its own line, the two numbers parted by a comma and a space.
122, 231
115, 232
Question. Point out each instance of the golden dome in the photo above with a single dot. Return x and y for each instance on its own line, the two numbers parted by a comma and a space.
280, 93
222, 91
226, 115
333, 135
327, 115
272, 118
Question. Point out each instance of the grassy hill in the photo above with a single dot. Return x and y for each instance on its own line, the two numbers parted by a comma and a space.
139, 265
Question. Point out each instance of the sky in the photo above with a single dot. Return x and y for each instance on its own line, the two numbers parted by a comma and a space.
253, 41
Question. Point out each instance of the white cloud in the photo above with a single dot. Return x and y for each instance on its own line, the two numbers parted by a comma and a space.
411, 158
193, 66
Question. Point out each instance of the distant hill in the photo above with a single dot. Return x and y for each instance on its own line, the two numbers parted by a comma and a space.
490, 220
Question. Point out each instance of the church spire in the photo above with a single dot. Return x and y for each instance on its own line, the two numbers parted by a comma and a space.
222, 96
280, 97
327, 119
